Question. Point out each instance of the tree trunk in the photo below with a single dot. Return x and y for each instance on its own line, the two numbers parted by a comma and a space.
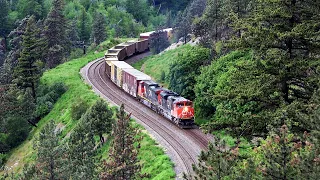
32, 123
101, 139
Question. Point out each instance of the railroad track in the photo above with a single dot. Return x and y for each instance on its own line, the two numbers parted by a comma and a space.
183, 146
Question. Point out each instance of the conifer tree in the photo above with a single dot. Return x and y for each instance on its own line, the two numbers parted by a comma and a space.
287, 156
73, 35
123, 163
216, 163
100, 117
98, 28
51, 157
27, 72
82, 151
55, 33
30, 8
158, 41
11, 60
183, 25
84, 33
284, 38
4, 11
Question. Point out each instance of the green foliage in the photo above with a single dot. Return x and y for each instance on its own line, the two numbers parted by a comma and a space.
139, 9
216, 163
47, 96
154, 162
98, 29
282, 155
82, 151
78, 109
185, 68
14, 117
123, 162
11, 61
159, 166
30, 7
233, 91
28, 71
285, 53
50, 155
3, 159
154, 65
56, 35
100, 118
214, 25
4, 12
84, 25
158, 41
163, 76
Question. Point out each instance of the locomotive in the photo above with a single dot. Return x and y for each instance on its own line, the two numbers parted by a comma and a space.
139, 85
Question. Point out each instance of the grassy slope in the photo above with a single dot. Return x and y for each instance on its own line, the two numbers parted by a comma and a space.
154, 65
68, 73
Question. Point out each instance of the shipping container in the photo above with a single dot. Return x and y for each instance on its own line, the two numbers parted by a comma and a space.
116, 71
131, 79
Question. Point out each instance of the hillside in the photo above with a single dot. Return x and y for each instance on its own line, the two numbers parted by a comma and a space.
153, 160
157, 65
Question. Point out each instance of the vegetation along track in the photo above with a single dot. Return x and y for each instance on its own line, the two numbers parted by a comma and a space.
183, 146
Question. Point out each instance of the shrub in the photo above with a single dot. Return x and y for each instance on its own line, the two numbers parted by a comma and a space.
3, 159
47, 97
78, 109
163, 76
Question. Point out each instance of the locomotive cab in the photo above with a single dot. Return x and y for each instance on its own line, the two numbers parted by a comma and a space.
182, 111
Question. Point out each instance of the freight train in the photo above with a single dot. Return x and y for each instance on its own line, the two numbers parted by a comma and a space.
139, 85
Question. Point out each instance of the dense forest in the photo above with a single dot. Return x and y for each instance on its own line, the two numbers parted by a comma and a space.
254, 76
261, 82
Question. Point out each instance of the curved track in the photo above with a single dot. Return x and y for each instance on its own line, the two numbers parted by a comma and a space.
183, 146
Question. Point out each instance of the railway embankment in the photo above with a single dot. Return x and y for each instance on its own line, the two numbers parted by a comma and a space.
152, 157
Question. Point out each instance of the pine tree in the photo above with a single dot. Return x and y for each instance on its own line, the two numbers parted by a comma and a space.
11, 60
123, 163
83, 26
98, 28
183, 25
100, 118
287, 156
284, 38
27, 72
73, 35
4, 11
82, 151
30, 8
216, 163
51, 157
55, 33
158, 41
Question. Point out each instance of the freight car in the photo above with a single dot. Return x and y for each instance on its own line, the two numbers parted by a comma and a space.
139, 85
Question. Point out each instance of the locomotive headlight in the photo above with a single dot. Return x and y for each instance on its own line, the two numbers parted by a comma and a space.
185, 109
